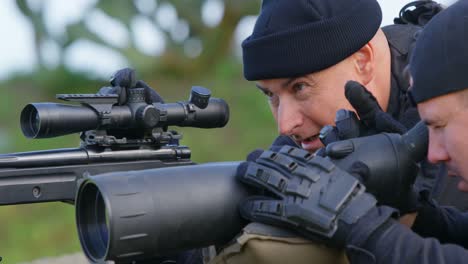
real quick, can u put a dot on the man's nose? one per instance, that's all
(289, 118)
(436, 152)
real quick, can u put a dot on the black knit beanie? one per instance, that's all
(439, 63)
(297, 37)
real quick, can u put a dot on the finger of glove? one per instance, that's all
(362, 101)
(386, 123)
(282, 140)
(329, 134)
(361, 171)
(124, 78)
(254, 155)
(261, 209)
(339, 149)
(281, 213)
(347, 124)
(261, 177)
(306, 159)
(282, 174)
(298, 166)
(151, 95)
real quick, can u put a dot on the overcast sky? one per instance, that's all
(16, 47)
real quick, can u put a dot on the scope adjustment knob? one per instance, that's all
(147, 116)
(200, 96)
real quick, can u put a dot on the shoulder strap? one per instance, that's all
(401, 37)
(401, 40)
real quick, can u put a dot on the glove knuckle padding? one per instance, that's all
(265, 177)
(312, 194)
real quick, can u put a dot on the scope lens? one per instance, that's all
(35, 122)
(92, 222)
(30, 121)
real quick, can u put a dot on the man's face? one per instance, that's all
(302, 106)
(447, 119)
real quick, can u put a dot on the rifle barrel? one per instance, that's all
(75, 156)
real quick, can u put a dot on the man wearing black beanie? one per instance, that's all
(302, 53)
(370, 233)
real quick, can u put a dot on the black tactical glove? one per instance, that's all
(402, 197)
(124, 79)
(372, 119)
(305, 193)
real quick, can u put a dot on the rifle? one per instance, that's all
(122, 131)
(135, 198)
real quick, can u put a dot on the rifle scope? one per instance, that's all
(125, 216)
(102, 111)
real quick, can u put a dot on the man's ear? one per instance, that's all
(364, 63)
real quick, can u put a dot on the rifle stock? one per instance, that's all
(48, 176)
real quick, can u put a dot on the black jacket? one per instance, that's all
(442, 239)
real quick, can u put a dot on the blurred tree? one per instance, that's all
(216, 41)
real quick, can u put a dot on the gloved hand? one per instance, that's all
(403, 197)
(124, 79)
(387, 171)
(305, 193)
(372, 119)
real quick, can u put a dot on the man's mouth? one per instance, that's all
(311, 143)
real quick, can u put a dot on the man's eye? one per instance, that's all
(436, 126)
(298, 87)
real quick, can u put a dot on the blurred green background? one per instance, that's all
(206, 55)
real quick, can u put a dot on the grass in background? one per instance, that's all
(37, 230)
(32, 231)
